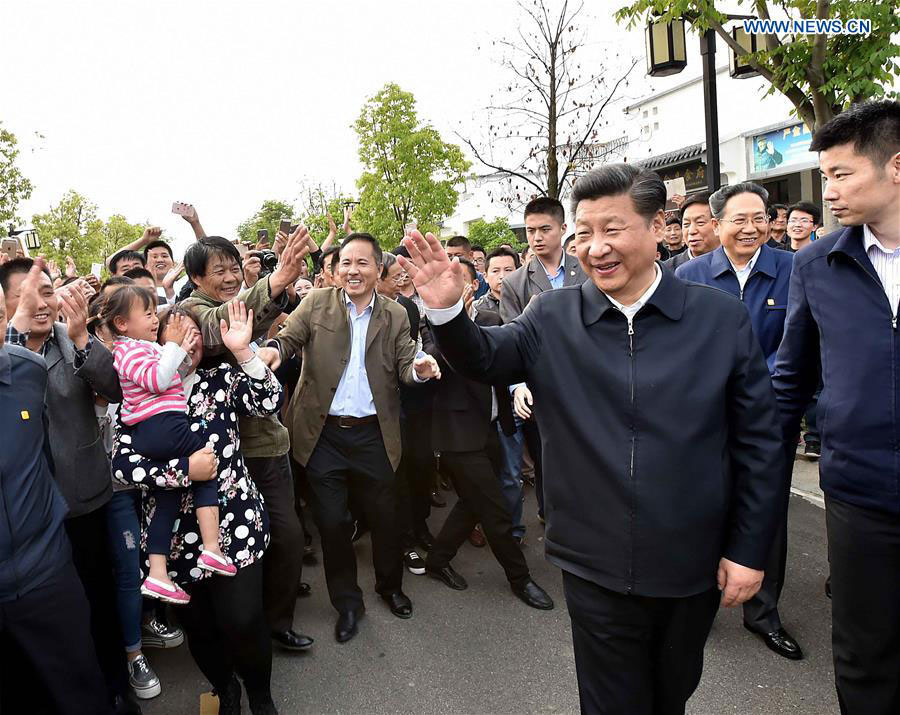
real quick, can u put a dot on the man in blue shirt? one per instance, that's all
(44, 615)
(759, 275)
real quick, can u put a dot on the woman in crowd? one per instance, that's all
(224, 622)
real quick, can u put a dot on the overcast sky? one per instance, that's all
(225, 104)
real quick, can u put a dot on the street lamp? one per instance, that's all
(664, 43)
(738, 67)
(32, 240)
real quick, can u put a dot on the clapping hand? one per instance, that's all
(178, 328)
(74, 306)
(237, 331)
(295, 252)
(438, 281)
(29, 297)
(71, 268)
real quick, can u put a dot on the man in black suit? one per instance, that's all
(661, 489)
(467, 418)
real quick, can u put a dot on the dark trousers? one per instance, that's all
(89, 536)
(227, 632)
(415, 477)
(354, 460)
(474, 476)
(761, 611)
(50, 627)
(301, 495)
(283, 562)
(864, 551)
(533, 442)
(636, 654)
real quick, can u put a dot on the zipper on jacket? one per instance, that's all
(629, 585)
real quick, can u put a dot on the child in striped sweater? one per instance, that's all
(154, 405)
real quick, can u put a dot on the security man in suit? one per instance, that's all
(344, 419)
(549, 269)
(661, 489)
(467, 417)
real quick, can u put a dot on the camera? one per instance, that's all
(268, 260)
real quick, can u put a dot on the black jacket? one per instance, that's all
(461, 419)
(661, 451)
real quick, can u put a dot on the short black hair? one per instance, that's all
(701, 198)
(476, 247)
(872, 127)
(368, 238)
(328, 258)
(15, 267)
(199, 254)
(646, 189)
(546, 205)
(401, 251)
(807, 207)
(158, 244)
(568, 240)
(116, 281)
(718, 200)
(673, 221)
(497, 252)
(136, 273)
(663, 249)
(459, 242)
(473, 271)
(125, 255)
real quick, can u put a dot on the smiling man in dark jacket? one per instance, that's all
(842, 310)
(659, 486)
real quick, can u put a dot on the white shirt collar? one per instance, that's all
(870, 239)
(349, 302)
(631, 310)
(750, 263)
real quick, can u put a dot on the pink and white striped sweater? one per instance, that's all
(149, 377)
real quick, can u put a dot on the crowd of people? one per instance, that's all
(168, 445)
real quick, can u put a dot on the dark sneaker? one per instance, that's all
(414, 563)
(156, 634)
(142, 678)
(812, 450)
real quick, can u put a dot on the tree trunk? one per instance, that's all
(552, 162)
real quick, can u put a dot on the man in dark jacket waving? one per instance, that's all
(659, 486)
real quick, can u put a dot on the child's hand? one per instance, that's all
(237, 332)
(178, 328)
(191, 340)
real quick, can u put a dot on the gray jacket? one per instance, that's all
(675, 261)
(82, 466)
(523, 284)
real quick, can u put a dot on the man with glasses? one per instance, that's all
(759, 276)
(696, 223)
(804, 218)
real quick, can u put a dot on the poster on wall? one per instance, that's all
(782, 148)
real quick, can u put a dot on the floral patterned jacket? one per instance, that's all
(216, 397)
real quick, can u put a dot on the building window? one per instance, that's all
(646, 114)
(655, 110)
(656, 125)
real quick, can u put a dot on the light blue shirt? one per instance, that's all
(557, 279)
(353, 397)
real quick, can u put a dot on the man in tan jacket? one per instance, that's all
(344, 419)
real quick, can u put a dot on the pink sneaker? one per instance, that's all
(209, 561)
(155, 588)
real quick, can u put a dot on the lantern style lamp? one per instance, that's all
(32, 240)
(665, 47)
(739, 67)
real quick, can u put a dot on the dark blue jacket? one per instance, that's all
(765, 292)
(33, 542)
(838, 312)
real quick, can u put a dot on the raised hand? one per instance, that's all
(29, 296)
(53, 267)
(168, 281)
(252, 267)
(295, 252)
(438, 281)
(191, 340)
(237, 331)
(332, 232)
(177, 328)
(348, 214)
(280, 242)
(74, 307)
(71, 268)
(151, 233)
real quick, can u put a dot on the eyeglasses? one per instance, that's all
(800, 221)
(741, 221)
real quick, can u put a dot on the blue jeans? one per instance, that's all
(511, 476)
(124, 528)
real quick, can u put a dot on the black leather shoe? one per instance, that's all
(424, 539)
(448, 576)
(290, 640)
(533, 595)
(780, 642)
(347, 624)
(399, 604)
(304, 590)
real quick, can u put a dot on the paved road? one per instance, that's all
(482, 651)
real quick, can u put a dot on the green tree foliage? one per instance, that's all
(317, 203)
(268, 217)
(491, 234)
(72, 228)
(410, 173)
(14, 186)
(820, 74)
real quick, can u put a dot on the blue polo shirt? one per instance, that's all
(765, 294)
